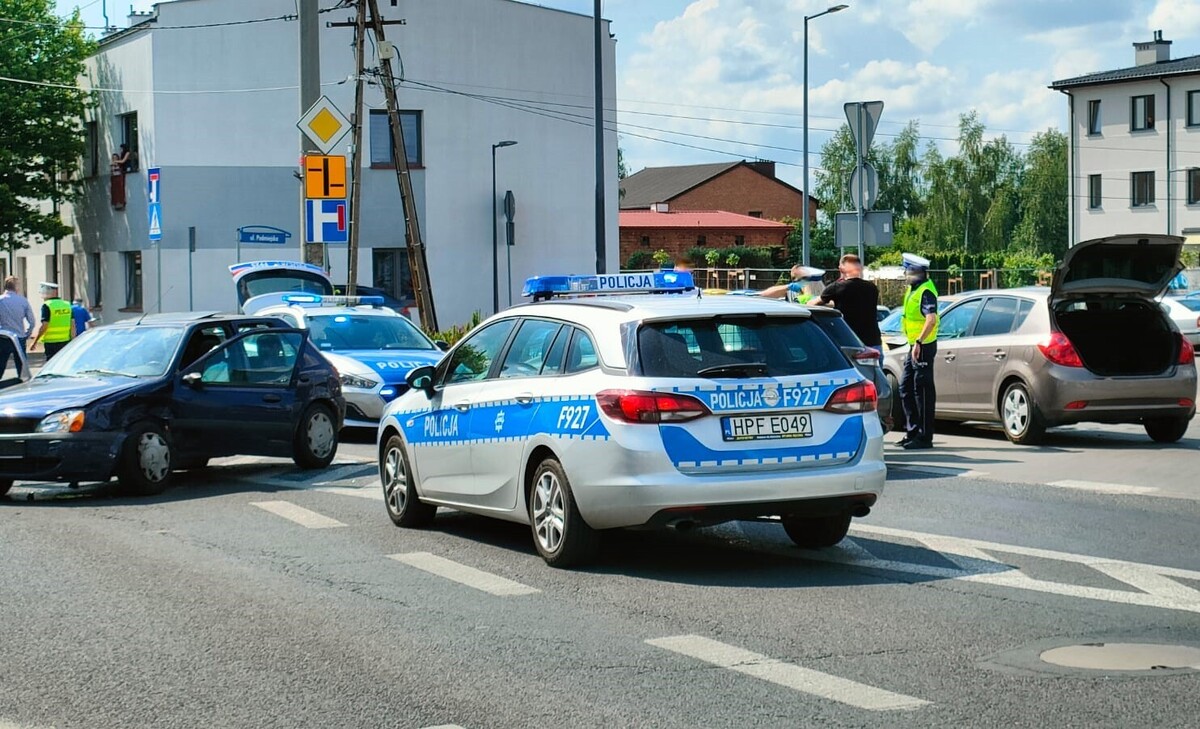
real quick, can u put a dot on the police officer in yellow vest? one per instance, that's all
(920, 323)
(58, 326)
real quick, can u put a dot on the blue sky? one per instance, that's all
(729, 72)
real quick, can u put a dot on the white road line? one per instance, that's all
(439, 726)
(1104, 488)
(1156, 589)
(788, 675)
(298, 514)
(373, 493)
(462, 574)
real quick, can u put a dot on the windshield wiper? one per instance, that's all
(104, 373)
(740, 369)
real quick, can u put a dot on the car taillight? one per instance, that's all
(636, 406)
(1059, 350)
(860, 397)
(867, 355)
(1187, 355)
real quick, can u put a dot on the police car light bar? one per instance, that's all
(318, 300)
(658, 282)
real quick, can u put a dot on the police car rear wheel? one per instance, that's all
(399, 491)
(560, 534)
(146, 460)
(816, 532)
(316, 439)
(5, 486)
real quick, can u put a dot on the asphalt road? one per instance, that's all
(254, 595)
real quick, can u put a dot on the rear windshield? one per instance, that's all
(785, 345)
(1193, 304)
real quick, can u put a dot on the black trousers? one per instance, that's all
(917, 393)
(52, 348)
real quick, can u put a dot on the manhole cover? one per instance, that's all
(1124, 656)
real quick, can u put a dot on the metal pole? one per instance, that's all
(804, 250)
(360, 31)
(310, 92)
(495, 243)
(191, 250)
(860, 113)
(508, 244)
(158, 264)
(601, 242)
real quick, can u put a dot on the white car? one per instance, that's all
(663, 409)
(1185, 312)
(373, 347)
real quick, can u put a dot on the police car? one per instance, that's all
(372, 347)
(587, 411)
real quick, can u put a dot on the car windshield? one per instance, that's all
(117, 351)
(737, 346)
(350, 331)
(1192, 304)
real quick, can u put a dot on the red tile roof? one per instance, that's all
(695, 219)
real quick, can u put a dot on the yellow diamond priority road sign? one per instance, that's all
(324, 124)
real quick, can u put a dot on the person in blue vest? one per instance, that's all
(920, 325)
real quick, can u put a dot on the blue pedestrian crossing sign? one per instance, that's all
(325, 221)
(154, 212)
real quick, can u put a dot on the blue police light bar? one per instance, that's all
(318, 300)
(658, 282)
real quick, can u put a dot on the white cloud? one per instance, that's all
(926, 23)
(1179, 18)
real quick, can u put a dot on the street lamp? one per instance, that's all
(495, 233)
(804, 213)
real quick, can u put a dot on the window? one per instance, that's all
(645, 240)
(701, 240)
(1193, 186)
(1095, 192)
(97, 276)
(786, 345)
(68, 277)
(1022, 313)
(472, 360)
(1142, 184)
(413, 126)
(133, 279)
(129, 137)
(1094, 116)
(581, 355)
(558, 350)
(755, 213)
(52, 270)
(739, 240)
(23, 272)
(203, 341)
(392, 274)
(90, 166)
(529, 348)
(1193, 109)
(957, 321)
(1142, 113)
(264, 358)
(997, 316)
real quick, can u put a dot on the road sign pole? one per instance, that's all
(862, 174)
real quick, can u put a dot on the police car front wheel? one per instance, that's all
(816, 532)
(560, 534)
(399, 491)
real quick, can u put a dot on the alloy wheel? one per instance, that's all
(1016, 411)
(395, 480)
(549, 517)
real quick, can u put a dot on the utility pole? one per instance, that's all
(601, 242)
(360, 31)
(417, 261)
(310, 93)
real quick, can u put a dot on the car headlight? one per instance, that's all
(358, 381)
(67, 421)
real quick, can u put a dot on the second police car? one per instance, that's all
(373, 347)
(575, 415)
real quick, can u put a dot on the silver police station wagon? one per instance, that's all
(630, 401)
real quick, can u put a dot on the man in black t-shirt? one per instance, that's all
(857, 299)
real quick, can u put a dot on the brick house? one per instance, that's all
(745, 188)
(677, 231)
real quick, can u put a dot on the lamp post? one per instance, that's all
(805, 250)
(495, 233)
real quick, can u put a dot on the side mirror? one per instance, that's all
(444, 346)
(421, 378)
(193, 380)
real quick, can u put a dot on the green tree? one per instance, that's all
(622, 168)
(40, 116)
(1044, 189)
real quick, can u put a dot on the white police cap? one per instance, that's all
(48, 285)
(912, 260)
(811, 274)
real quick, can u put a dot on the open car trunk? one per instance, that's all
(1117, 336)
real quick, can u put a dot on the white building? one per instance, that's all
(1135, 146)
(215, 107)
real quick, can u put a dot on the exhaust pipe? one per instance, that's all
(860, 510)
(682, 525)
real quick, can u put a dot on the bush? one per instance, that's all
(458, 331)
(640, 260)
